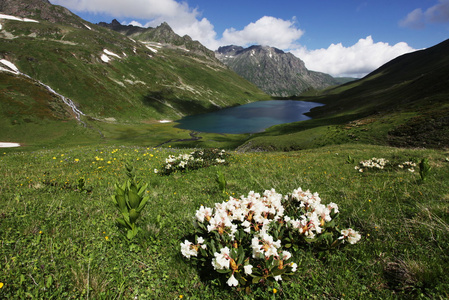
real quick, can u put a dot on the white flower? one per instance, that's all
(222, 259)
(286, 255)
(334, 206)
(156, 171)
(411, 170)
(200, 240)
(203, 213)
(294, 266)
(232, 281)
(350, 234)
(277, 278)
(188, 249)
(268, 248)
(248, 269)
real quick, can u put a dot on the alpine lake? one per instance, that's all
(249, 118)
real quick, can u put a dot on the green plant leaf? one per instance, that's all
(133, 199)
(142, 204)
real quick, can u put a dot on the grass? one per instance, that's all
(60, 241)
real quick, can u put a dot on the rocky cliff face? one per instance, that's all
(272, 70)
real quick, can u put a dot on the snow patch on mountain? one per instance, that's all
(152, 49)
(11, 67)
(8, 17)
(111, 53)
(106, 56)
(9, 145)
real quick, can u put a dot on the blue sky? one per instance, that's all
(342, 38)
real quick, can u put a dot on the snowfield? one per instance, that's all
(8, 17)
(9, 145)
(106, 55)
(12, 67)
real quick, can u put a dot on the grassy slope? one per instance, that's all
(140, 86)
(403, 103)
(54, 241)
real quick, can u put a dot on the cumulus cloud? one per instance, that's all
(354, 61)
(418, 18)
(182, 18)
(265, 31)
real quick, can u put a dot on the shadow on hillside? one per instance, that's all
(165, 101)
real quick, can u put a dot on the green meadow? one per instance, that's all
(59, 239)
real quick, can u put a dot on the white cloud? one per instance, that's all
(265, 31)
(140, 9)
(355, 61)
(414, 19)
(439, 13)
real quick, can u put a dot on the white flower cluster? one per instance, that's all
(189, 249)
(184, 161)
(180, 161)
(351, 235)
(255, 215)
(409, 165)
(316, 216)
(373, 163)
(254, 212)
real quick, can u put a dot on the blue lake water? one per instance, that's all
(249, 118)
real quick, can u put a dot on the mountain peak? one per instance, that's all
(272, 70)
(115, 23)
(40, 9)
(164, 25)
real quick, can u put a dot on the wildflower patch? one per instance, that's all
(253, 240)
(193, 161)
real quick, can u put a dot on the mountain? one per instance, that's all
(272, 70)
(42, 10)
(162, 34)
(403, 103)
(106, 75)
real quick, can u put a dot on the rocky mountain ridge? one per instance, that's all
(274, 71)
(162, 34)
(42, 10)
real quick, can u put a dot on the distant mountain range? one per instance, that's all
(274, 71)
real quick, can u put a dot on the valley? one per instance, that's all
(90, 118)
